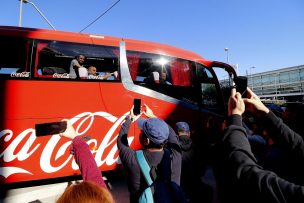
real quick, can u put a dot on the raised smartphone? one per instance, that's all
(136, 106)
(43, 129)
(241, 85)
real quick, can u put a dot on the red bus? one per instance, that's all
(35, 87)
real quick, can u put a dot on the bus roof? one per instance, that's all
(135, 45)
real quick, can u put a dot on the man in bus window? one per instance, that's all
(93, 74)
(92, 71)
(75, 65)
(163, 78)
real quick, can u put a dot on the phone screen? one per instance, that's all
(136, 104)
(43, 129)
(241, 85)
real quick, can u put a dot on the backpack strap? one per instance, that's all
(165, 165)
(144, 166)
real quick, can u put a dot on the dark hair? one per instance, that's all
(81, 55)
(152, 144)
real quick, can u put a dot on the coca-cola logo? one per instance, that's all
(21, 75)
(22, 147)
(64, 75)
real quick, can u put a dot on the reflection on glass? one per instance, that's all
(209, 95)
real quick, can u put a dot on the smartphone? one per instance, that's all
(136, 108)
(241, 83)
(43, 129)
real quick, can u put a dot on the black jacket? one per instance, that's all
(241, 179)
(136, 181)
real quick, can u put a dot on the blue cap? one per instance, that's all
(182, 127)
(155, 129)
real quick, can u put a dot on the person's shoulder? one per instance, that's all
(74, 61)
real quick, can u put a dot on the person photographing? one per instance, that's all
(240, 178)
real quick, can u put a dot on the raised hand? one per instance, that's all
(235, 103)
(148, 112)
(254, 103)
(70, 131)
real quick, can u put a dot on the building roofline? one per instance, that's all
(279, 70)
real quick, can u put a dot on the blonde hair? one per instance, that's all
(87, 192)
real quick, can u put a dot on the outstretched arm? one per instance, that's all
(240, 167)
(83, 157)
(281, 132)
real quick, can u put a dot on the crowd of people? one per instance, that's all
(257, 159)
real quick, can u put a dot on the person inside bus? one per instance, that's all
(93, 74)
(155, 133)
(241, 179)
(93, 188)
(92, 71)
(75, 65)
(153, 78)
(164, 78)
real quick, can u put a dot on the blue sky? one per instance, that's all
(266, 34)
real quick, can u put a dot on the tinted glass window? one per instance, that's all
(209, 93)
(266, 79)
(13, 58)
(55, 59)
(294, 75)
(168, 75)
(284, 77)
(302, 74)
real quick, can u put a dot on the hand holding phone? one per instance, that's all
(148, 112)
(136, 106)
(43, 129)
(241, 85)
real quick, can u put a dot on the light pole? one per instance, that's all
(20, 14)
(37, 9)
(227, 54)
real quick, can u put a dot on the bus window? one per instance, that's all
(13, 58)
(225, 81)
(208, 88)
(53, 60)
(168, 75)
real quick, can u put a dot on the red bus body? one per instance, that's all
(96, 108)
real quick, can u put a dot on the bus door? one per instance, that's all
(215, 84)
(226, 76)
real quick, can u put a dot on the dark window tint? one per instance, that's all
(13, 58)
(208, 84)
(54, 58)
(167, 75)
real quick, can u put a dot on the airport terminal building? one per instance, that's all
(279, 86)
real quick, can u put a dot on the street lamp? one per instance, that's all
(227, 54)
(20, 14)
(37, 9)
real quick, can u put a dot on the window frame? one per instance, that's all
(65, 76)
(25, 59)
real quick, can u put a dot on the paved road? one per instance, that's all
(49, 193)
(120, 192)
(119, 189)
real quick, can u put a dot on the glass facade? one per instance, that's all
(280, 85)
